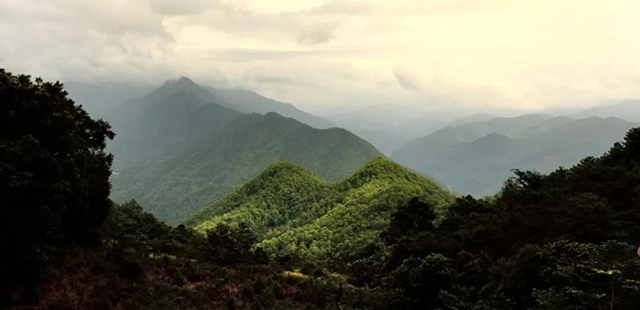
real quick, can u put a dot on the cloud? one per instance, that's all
(183, 7)
(316, 53)
(272, 79)
(405, 81)
(316, 34)
(343, 8)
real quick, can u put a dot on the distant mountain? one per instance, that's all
(250, 102)
(542, 127)
(507, 126)
(204, 170)
(158, 124)
(439, 140)
(384, 141)
(477, 157)
(181, 111)
(101, 97)
(240, 100)
(387, 127)
(302, 216)
(628, 110)
(473, 118)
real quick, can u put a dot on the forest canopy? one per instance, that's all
(54, 176)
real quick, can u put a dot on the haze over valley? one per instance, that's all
(238, 133)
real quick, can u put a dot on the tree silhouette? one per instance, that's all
(54, 177)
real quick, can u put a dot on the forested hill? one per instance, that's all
(201, 173)
(302, 217)
(566, 240)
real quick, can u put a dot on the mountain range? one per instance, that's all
(626, 109)
(175, 152)
(477, 157)
(183, 146)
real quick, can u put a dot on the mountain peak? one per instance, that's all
(284, 167)
(182, 81)
(186, 80)
(171, 87)
(379, 167)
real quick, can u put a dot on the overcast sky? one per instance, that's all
(319, 54)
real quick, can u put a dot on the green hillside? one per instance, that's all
(303, 217)
(282, 194)
(207, 169)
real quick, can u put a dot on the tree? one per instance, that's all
(54, 177)
(227, 245)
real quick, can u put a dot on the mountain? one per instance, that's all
(189, 178)
(627, 110)
(250, 102)
(541, 127)
(507, 126)
(99, 98)
(147, 129)
(441, 139)
(476, 158)
(384, 137)
(304, 217)
(185, 101)
(385, 141)
(182, 124)
(240, 100)
(387, 127)
(473, 118)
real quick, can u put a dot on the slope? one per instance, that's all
(185, 181)
(181, 111)
(246, 101)
(302, 217)
(148, 129)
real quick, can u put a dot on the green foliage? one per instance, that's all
(566, 240)
(228, 245)
(54, 178)
(303, 218)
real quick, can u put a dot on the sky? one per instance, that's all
(320, 55)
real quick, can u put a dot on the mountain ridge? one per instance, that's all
(176, 185)
(358, 206)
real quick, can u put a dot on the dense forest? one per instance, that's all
(383, 238)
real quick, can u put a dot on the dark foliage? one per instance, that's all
(145, 264)
(54, 179)
(566, 240)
